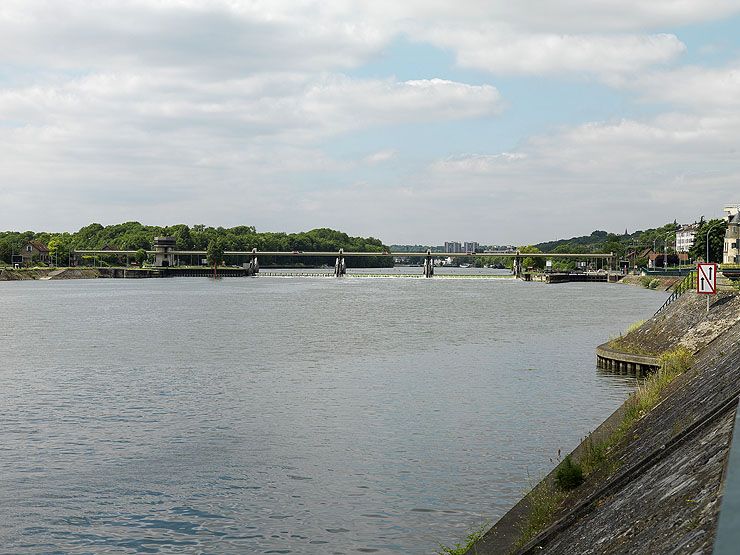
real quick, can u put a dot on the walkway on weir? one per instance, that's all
(166, 256)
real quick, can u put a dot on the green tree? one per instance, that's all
(181, 233)
(215, 254)
(530, 261)
(56, 250)
(141, 256)
(716, 229)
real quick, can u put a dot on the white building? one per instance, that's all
(470, 246)
(453, 246)
(731, 252)
(685, 237)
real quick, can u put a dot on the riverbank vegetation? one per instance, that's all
(462, 548)
(135, 236)
(599, 456)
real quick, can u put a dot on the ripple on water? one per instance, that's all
(289, 416)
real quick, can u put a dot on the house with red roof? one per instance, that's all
(35, 251)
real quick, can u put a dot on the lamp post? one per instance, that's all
(665, 251)
(707, 259)
(707, 239)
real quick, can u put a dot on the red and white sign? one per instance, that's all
(706, 279)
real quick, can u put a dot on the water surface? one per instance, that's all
(275, 415)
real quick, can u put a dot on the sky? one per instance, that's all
(414, 121)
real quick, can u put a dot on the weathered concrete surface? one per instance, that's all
(48, 274)
(14, 275)
(665, 282)
(606, 356)
(671, 507)
(684, 489)
(75, 273)
(667, 469)
(685, 322)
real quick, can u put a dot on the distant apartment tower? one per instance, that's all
(453, 246)
(471, 246)
(731, 252)
(685, 237)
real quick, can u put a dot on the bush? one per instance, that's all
(654, 284)
(645, 281)
(569, 475)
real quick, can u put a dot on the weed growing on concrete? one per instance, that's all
(569, 474)
(634, 326)
(597, 455)
(463, 547)
(544, 500)
(621, 344)
(672, 364)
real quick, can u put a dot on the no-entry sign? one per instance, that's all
(706, 279)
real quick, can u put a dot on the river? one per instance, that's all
(302, 415)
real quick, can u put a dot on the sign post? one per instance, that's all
(706, 280)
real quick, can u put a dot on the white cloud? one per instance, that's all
(294, 107)
(697, 88)
(231, 37)
(477, 163)
(380, 156)
(601, 175)
(132, 140)
(498, 49)
(145, 108)
(219, 37)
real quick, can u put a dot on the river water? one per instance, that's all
(304, 415)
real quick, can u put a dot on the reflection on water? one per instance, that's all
(290, 415)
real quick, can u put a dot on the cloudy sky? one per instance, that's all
(412, 121)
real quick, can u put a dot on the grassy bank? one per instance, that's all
(598, 458)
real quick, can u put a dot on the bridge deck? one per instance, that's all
(351, 254)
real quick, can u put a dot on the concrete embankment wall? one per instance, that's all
(49, 274)
(661, 491)
(685, 322)
(665, 282)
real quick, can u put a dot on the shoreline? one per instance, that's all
(686, 412)
(44, 274)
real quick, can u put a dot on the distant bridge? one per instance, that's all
(166, 255)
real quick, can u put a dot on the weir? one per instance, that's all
(166, 256)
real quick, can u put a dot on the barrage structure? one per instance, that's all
(167, 255)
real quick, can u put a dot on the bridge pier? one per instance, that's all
(429, 265)
(340, 267)
(517, 265)
(254, 265)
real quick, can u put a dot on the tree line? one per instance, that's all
(134, 236)
(659, 239)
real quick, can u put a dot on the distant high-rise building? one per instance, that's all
(453, 246)
(471, 246)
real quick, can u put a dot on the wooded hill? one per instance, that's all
(134, 236)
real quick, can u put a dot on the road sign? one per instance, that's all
(706, 279)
